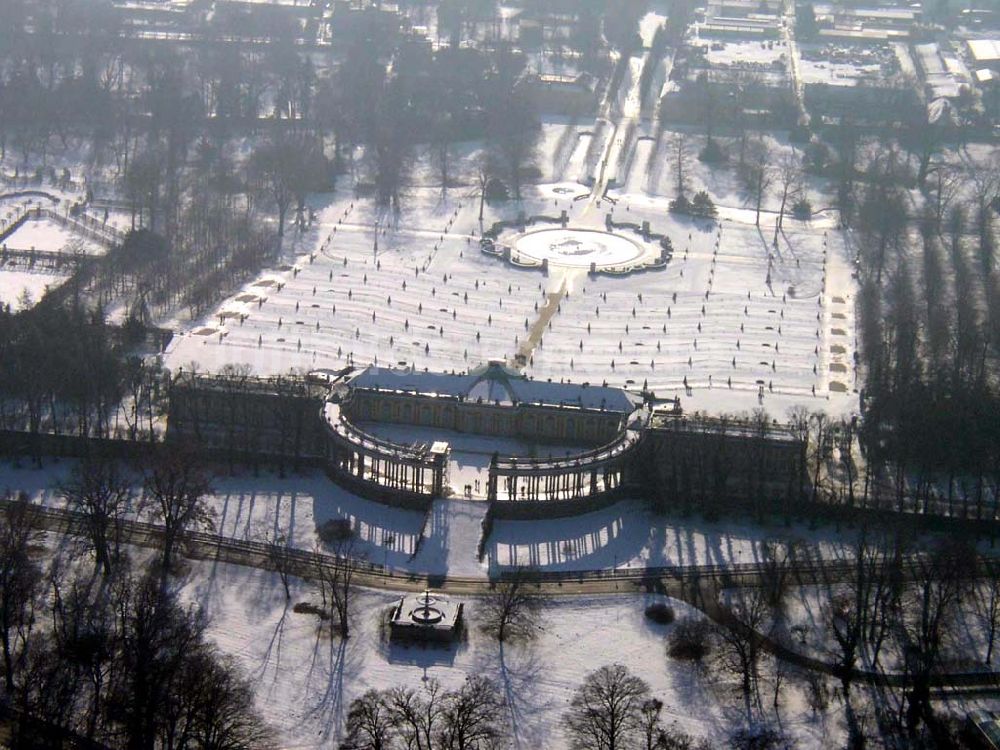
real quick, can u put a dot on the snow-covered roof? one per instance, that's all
(984, 50)
(496, 383)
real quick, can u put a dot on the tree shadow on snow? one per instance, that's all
(273, 650)
(518, 672)
(331, 662)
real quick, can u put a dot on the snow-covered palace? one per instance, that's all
(528, 447)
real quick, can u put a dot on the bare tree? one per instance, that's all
(606, 711)
(20, 584)
(52, 687)
(846, 432)
(389, 145)
(143, 184)
(740, 641)
(218, 704)
(514, 134)
(371, 723)
(418, 716)
(442, 136)
(789, 177)
(175, 485)
(987, 603)
(281, 558)
(928, 608)
(335, 572)
(513, 607)
(653, 736)
(758, 175)
(285, 170)
(818, 447)
(482, 183)
(470, 718)
(101, 492)
(947, 186)
(473, 716)
(778, 558)
(846, 620)
(681, 158)
(153, 636)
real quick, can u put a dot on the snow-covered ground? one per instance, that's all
(624, 535)
(22, 282)
(305, 681)
(21, 287)
(49, 236)
(731, 313)
(628, 535)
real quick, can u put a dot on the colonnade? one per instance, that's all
(585, 476)
(362, 458)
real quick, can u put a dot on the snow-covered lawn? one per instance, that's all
(16, 280)
(628, 535)
(48, 235)
(428, 298)
(305, 681)
(624, 535)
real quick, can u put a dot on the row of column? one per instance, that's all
(387, 472)
(568, 485)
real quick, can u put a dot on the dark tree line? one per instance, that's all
(65, 370)
(144, 108)
(115, 659)
(929, 330)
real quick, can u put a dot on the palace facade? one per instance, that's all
(609, 440)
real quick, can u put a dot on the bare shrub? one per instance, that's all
(690, 640)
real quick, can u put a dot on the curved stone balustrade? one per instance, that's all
(627, 440)
(360, 457)
(373, 463)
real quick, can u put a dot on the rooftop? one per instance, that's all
(985, 50)
(497, 383)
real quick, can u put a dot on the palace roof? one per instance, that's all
(496, 383)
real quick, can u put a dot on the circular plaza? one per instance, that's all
(577, 248)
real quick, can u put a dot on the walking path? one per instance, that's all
(537, 330)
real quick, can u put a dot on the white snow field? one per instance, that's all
(734, 322)
(18, 280)
(48, 235)
(305, 681)
(444, 542)
(20, 276)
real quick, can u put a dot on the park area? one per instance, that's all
(736, 319)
